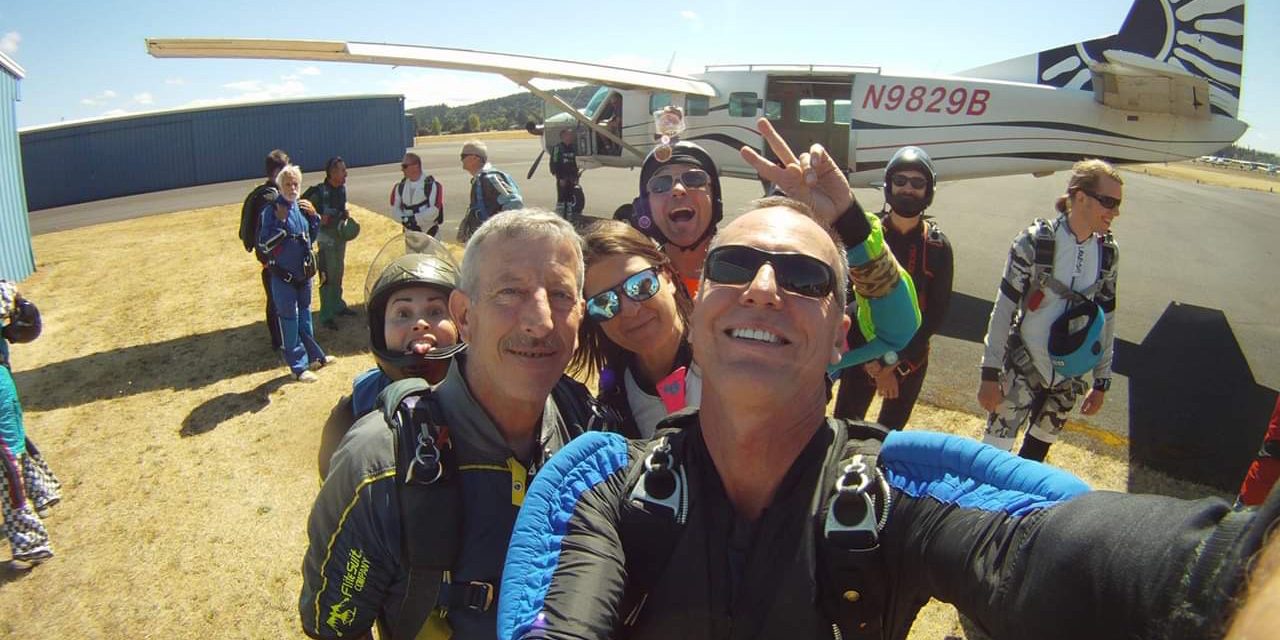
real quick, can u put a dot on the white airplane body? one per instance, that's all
(1165, 88)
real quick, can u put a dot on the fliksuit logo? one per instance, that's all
(339, 615)
(353, 579)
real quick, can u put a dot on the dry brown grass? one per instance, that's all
(515, 134)
(189, 458)
(1201, 173)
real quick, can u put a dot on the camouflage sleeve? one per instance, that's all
(1013, 285)
(351, 571)
(1106, 298)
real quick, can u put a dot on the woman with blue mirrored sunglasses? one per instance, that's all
(634, 336)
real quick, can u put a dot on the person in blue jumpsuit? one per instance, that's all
(285, 236)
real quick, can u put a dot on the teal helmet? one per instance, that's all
(1075, 339)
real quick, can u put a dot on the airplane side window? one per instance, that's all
(659, 101)
(773, 109)
(697, 105)
(742, 104)
(812, 110)
(843, 112)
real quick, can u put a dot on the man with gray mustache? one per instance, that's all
(420, 554)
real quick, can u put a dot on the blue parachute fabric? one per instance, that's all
(552, 498)
(966, 473)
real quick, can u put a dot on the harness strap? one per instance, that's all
(428, 497)
(852, 502)
(474, 595)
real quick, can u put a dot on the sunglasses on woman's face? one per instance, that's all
(795, 272)
(691, 179)
(639, 286)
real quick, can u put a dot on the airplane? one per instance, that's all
(1166, 87)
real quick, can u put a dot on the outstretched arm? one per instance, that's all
(565, 572)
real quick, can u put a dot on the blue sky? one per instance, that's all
(87, 59)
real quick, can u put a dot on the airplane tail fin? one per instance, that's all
(1204, 39)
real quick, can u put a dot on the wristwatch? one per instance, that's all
(1102, 384)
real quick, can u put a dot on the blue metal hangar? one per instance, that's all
(17, 260)
(73, 162)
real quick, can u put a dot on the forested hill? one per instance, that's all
(508, 112)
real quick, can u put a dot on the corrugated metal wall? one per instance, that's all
(108, 158)
(17, 260)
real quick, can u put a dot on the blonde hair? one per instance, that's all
(1085, 176)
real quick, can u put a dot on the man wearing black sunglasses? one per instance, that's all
(759, 517)
(1035, 357)
(417, 201)
(924, 251)
(679, 206)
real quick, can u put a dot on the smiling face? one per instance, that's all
(757, 339)
(682, 214)
(653, 324)
(417, 320)
(1093, 216)
(521, 318)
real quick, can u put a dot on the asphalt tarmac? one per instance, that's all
(1197, 336)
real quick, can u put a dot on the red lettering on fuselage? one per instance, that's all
(916, 98)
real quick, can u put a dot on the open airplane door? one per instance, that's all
(812, 108)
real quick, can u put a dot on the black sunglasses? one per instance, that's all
(639, 286)
(900, 180)
(796, 272)
(463, 156)
(406, 166)
(691, 179)
(1105, 201)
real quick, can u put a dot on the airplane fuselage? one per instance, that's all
(971, 127)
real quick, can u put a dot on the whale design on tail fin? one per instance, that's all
(1200, 38)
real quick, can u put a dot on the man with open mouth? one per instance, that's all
(679, 206)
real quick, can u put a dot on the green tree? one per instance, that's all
(436, 128)
(473, 123)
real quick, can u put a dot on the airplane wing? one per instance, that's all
(519, 69)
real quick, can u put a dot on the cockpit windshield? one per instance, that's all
(593, 105)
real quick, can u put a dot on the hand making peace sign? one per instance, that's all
(812, 178)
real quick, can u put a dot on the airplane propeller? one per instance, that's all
(534, 129)
(534, 167)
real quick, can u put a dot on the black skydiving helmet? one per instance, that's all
(413, 258)
(910, 158)
(681, 153)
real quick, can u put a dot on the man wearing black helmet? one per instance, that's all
(410, 331)
(1054, 316)
(924, 251)
(679, 206)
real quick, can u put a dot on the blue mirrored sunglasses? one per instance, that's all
(639, 286)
